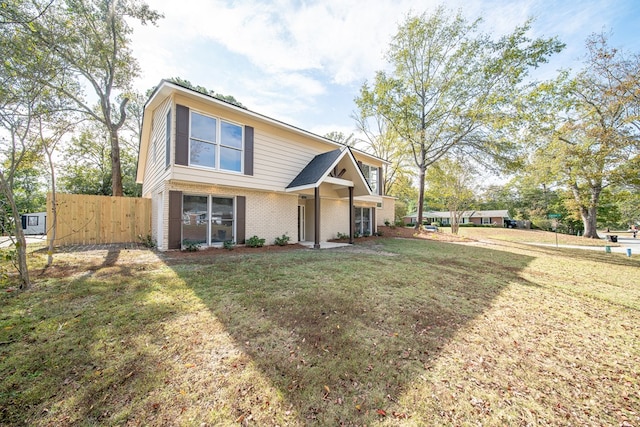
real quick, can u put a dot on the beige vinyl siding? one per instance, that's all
(279, 154)
(156, 171)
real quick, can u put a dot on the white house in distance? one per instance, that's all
(216, 172)
(490, 217)
(34, 223)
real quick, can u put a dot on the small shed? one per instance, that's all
(34, 223)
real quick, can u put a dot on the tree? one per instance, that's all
(589, 138)
(450, 86)
(86, 166)
(186, 83)
(381, 141)
(89, 40)
(340, 137)
(452, 181)
(22, 95)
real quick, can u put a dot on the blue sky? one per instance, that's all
(303, 61)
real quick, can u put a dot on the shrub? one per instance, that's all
(386, 222)
(147, 241)
(228, 245)
(190, 245)
(341, 236)
(283, 240)
(254, 242)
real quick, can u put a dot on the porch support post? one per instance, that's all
(352, 216)
(316, 240)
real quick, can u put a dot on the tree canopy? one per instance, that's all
(451, 86)
(585, 130)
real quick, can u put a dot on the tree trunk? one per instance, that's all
(589, 220)
(454, 225)
(51, 233)
(21, 244)
(421, 176)
(116, 170)
(588, 213)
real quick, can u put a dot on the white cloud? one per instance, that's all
(285, 57)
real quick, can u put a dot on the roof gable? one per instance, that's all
(320, 168)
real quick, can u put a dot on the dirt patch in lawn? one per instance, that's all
(412, 233)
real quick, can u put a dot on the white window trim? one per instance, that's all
(217, 144)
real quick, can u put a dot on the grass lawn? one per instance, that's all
(388, 332)
(529, 236)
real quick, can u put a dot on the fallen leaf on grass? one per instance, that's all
(381, 412)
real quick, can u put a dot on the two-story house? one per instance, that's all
(217, 172)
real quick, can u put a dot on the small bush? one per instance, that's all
(255, 242)
(190, 245)
(283, 240)
(386, 222)
(228, 245)
(341, 236)
(147, 241)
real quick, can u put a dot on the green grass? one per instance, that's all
(389, 332)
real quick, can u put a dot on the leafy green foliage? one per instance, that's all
(282, 240)
(586, 129)
(190, 245)
(186, 83)
(148, 241)
(255, 242)
(228, 245)
(451, 87)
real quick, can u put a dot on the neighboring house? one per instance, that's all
(496, 217)
(217, 172)
(34, 223)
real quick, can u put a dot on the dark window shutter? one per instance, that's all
(168, 139)
(182, 135)
(374, 226)
(23, 218)
(241, 215)
(380, 182)
(175, 220)
(248, 150)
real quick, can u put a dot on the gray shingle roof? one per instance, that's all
(316, 169)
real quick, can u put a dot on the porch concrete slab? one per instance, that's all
(325, 245)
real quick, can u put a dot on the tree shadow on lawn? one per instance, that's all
(343, 334)
(84, 351)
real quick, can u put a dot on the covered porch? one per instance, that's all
(323, 186)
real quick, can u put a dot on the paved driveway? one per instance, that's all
(624, 242)
(6, 241)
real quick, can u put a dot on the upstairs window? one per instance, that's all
(371, 175)
(215, 143)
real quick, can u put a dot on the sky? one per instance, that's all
(303, 61)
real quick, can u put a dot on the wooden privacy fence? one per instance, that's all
(88, 220)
